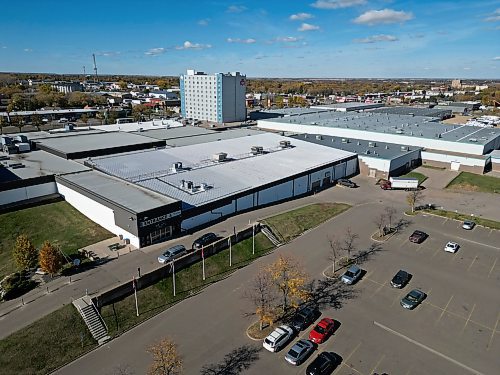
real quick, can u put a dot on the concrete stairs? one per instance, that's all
(92, 319)
(270, 235)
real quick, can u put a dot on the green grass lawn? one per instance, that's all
(46, 344)
(475, 182)
(419, 176)
(461, 217)
(121, 316)
(57, 222)
(291, 224)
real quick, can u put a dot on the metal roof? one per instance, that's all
(121, 192)
(212, 137)
(173, 133)
(379, 150)
(242, 171)
(353, 106)
(292, 111)
(68, 111)
(418, 126)
(417, 111)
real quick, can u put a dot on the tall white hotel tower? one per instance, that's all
(218, 97)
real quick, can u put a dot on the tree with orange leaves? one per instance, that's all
(50, 258)
(166, 359)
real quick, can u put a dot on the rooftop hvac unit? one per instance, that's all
(203, 186)
(372, 144)
(367, 152)
(358, 143)
(405, 148)
(285, 144)
(220, 156)
(345, 140)
(256, 150)
(472, 139)
(386, 147)
(319, 137)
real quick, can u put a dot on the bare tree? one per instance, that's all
(414, 197)
(390, 212)
(166, 359)
(261, 294)
(335, 250)
(348, 243)
(380, 221)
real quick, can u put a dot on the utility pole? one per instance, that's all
(95, 68)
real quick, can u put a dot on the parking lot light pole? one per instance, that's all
(253, 239)
(203, 262)
(230, 253)
(173, 275)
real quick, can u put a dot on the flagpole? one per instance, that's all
(135, 295)
(173, 275)
(230, 254)
(253, 239)
(203, 262)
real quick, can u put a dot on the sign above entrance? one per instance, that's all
(157, 219)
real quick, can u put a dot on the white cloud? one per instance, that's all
(27, 50)
(238, 40)
(495, 17)
(236, 8)
(467, 68)
(155, 51)
(336, 4)
(300, 16)
(495, 58)
(204, 22)
(377, 38)
(373, 17)
(287, 39)
(188, 45)
(108, 53)
(307, 27)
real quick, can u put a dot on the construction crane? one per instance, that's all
(95, 68)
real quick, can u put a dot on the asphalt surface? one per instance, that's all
(454, 331)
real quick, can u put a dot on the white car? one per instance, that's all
(278, 338)
(451, 247)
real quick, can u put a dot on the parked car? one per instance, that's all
(278, 338)
(304, 317)
(204, 240)
(172, 253)
(400, 279)
(351, 275)
(299, 352)
(413, 299)
(418, 236)
(468, 225)
(451, 247)
(346, 182)
(62, 120)
(323, 364)
(322, 331)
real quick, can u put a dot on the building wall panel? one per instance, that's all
(244, 203)
(27, 192)
(300, 185)
(351, 167)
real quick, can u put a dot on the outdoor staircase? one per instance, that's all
(270, 235)
(92, 319)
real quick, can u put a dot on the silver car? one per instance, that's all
(299, 352)
(172, 253)
(351, 275)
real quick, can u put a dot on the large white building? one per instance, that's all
(218, 97)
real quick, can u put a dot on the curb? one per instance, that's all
(248, 335)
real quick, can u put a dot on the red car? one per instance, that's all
(322, 330)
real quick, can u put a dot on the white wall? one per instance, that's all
(100, 214)
(437, 144)
(29, 192)
(382, 165)
(473, 162)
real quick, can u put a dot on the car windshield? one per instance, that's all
(413, 296)
(293, 353)
(349, 274)
(269, 342)
(319, 329)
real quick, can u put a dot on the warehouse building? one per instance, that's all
(440, 113)
(348, 107)
(376, 159)
(148, 196)
(452, 146)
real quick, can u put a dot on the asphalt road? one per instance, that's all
(454, 331)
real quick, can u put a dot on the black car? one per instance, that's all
(418, 236)
(323, 364)
(400, 279)
(304, 317)
(345, 182)
(204, 240)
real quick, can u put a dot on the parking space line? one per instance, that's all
(387, 329)
(437, 251)
(479, 243)
(493, 333)
(398, 298)
(352, 368)
(442, 313)
(378, 363)
(349, 357)
(473, 260)
(467, 321)
(445, 221)
(492, 267)
(458, 316)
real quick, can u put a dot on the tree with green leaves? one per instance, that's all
(50, 258)
(24, 253)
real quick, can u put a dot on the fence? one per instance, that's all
(126, 289)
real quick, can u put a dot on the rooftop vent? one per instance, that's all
(372, 144)
(386, 147)
(472, 139)
(285, 144)
(367, 152)
(399, 131)
(319, 137)
(257, 150)
(405, 148)
(345, 140)
(176, 167)
(219, 157)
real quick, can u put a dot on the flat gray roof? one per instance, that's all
(131, 196)
(418, 126)
(380, 150)
(212, 137)
(417, 111)
(353, 106)
(89, 142)
(173, 133)
(292, 111)
(40, 163)
(243, 171)
(68, 111)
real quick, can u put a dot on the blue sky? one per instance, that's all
(272, 38)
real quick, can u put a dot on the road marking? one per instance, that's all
(445, 221)
(458, 315)
(349, 357)
(380, 287)
(442, 313)
(437, 251)
(492, 267)
(473, 260)
(493, 333)
(352, 368)
(467, 321)
(428, 348)
(398, 298)
(479, 243)
(378, 363)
